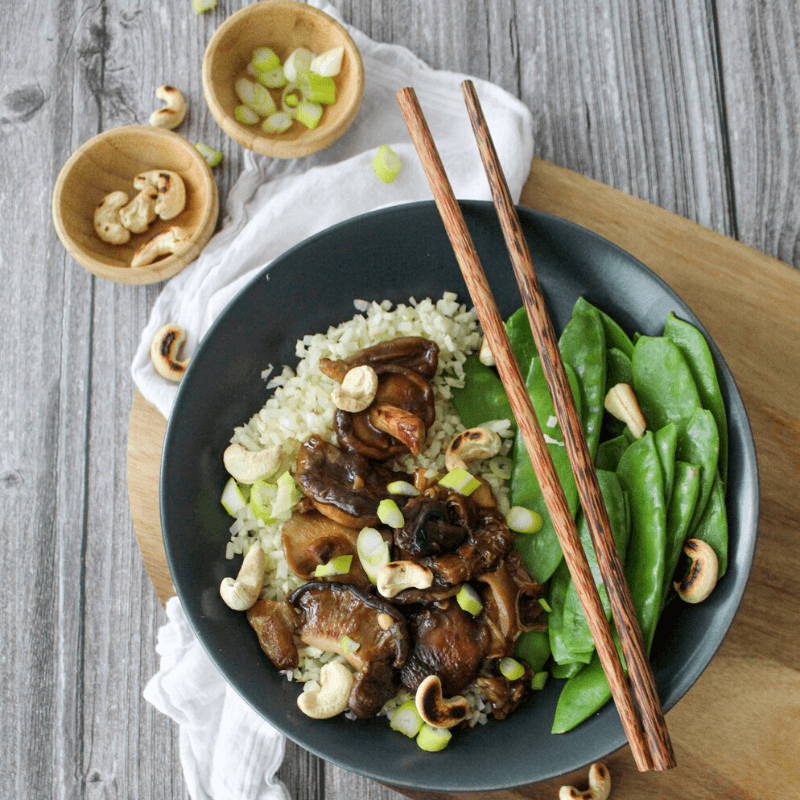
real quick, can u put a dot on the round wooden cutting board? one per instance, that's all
(736, 732)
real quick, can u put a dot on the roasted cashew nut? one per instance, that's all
(107, 222)
(470, 445)
(621, 403)
(485, 355)
(175, 110)
(357, 390)
(599, 785)
(170, 191)
(701, 578)
(166, 243)
(336, 683)
(396, 576)
(249, 466)
(164, 349)
(434, 709)
(242, 593)
(141, 211)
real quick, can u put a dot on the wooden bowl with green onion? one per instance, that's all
(283, 26)
(109, 163)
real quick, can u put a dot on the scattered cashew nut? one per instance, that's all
(434, 709)
(107, 222)
(471, 444)
(621, 403)
(485, 355)
(141, 211)
(336, 683)
(357, 390)
(170, 198)
(175, 110)
(166, 243)
(599, 785)
(396, 576)
(249, 466)
(164, 349)
(242, 593)
(701, 578)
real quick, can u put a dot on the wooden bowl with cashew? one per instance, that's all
(107, 175)
(283, 26)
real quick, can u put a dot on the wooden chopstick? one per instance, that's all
(511, 377)
(633, 647)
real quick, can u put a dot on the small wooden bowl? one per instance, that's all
(109, 162)
(283, 25)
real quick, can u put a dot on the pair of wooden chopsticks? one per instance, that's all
(645, 728)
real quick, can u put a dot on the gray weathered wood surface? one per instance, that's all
(693, 106)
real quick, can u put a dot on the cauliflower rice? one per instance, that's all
(301, 407)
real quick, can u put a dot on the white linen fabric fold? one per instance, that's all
(277, 203)
(227, 751)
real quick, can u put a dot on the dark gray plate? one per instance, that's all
(395, 254)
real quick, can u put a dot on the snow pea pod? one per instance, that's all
(576, 633)
(666, 442)
(610, 452)
(566, 671)
(663, 383)
(583, 347)
(615, 336)
(640, 474)
(533, 647)
(699, 445)
(713, 525)
(695, 350)
(482, 397)
(540, 551)
(559, 585)
(619, 368)
(520, 337)
(679, 515)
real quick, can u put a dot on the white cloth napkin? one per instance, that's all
(227, 751)
(275, 204)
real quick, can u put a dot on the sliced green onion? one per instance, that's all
(511, 668)
(545, 605)
(373, 552)
(338, 566)
(316, 88)
(287, 495)
(328, 63)
(265, 59)
(390, 514)
(386, 163)
(254, 72)
(212, 157)
(290, 99)
(255, 96)
(262, 500)
(297, 61)
(501, 467)
(433, 739)
(245, 115)
(233, 499)
(469, 600)
(349, 645)
(402, 487)
(309, 114)
(201, 6)
(461, 481)
(539, 680)
(278, 122)
(522, 520)
(406, 719)
(272, 78)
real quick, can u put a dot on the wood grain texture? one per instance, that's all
(691, 106)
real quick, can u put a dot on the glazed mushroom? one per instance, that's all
(343, 486)
(312, 539)
(275, 624)
(504, 695)
(414, 352)
(332, 614)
